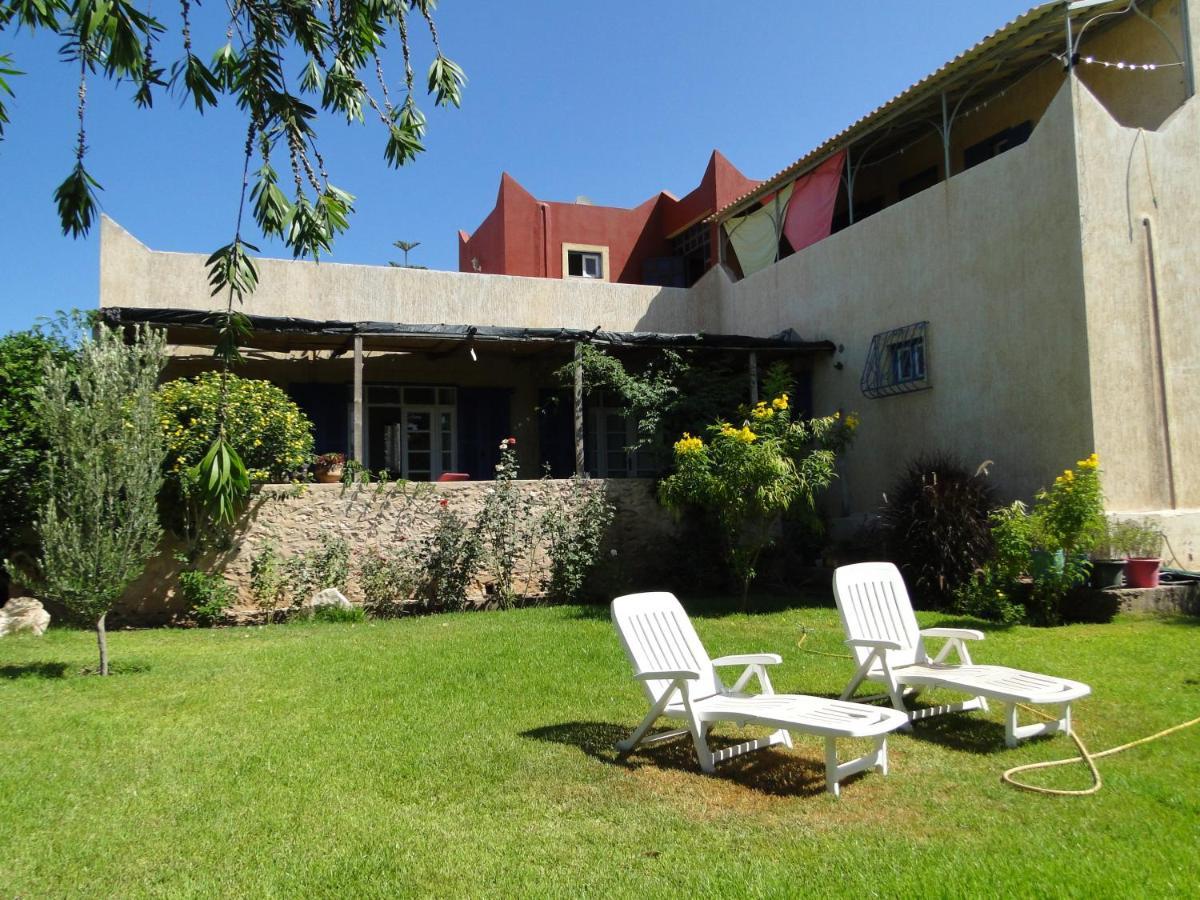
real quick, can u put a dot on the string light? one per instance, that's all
(1128, 66)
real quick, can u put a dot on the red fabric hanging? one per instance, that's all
(810, 213)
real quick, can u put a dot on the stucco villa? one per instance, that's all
(1000, 262)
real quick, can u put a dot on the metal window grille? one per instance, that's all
(897, 362)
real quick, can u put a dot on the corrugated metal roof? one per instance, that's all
(1027, 37)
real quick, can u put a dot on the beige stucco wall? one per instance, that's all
(1137, 195)
(992, 260)
(133, 275)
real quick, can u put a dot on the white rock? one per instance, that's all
(23, 614)
(328, 597)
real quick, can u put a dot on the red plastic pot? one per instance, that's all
(1141, 573)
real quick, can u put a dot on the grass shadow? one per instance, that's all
(984, 625)
(1179, 619)
(710, 606)
(961, 731)
(35, 670)
(774, 772)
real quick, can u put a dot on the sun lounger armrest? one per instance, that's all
(673, 675)
(749, 659)
(965, 634)
(874, 645)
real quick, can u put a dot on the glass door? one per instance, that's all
(418, 440)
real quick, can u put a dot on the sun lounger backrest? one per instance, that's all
(874, 605)
(658, 637)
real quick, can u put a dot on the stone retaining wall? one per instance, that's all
(294, 518)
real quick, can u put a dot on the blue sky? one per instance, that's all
(584, 97)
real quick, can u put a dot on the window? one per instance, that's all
(412, 430)
(897, 362)
(585, 261)
(609, 432)
(996, 144)
(908, 360)
(917, 183)
(584, 265)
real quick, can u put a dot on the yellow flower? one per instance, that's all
(762, 412)
(743, 434)
(688, 444)
(852, 421)
(1091, 462)
(780, 402)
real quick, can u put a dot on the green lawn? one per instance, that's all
(471, 754)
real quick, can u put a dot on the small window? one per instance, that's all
(897, 362)
(996, 144)
(908, 360)
(585, 264)
(917, 183)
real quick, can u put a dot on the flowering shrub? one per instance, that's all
(750, 475)
(268, 430)
(1071, 512)
(1048, 543)
(574, 524)
(507, 526)
(451, 555)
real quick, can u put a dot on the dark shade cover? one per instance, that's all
(203, 319)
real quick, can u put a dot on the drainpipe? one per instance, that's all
(1189, 76)
(545, 240)
(1159, 365)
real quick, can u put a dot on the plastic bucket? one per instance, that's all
(1141, 573)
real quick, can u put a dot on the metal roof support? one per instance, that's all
(945, 132)
(848, 178)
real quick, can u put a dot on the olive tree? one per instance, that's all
(103, 471)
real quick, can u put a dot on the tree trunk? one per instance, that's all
(102, 643)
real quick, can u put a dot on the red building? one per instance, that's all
(663, 241)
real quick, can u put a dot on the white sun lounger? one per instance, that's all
(882, 633)
(681, 682)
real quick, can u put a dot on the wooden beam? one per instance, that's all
(753, 377)
(359, 451)
(579, 465)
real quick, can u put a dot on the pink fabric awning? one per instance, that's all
(810, 212)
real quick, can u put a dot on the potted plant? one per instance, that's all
(1108, 565)
(1141, 544)
(327, 468)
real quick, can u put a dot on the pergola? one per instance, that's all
(285, 335)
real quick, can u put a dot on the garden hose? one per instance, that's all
(1085, 756)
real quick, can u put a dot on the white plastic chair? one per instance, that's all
(681, 682)
(883, 635)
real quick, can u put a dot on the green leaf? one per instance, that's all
(230, 268)
(446, 80)
(76, 199)
(199, 83)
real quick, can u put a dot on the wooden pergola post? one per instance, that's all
(357, 448)
(579, 464)
(753, 377)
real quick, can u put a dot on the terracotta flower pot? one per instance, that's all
(328, 474)
(1142, 572)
